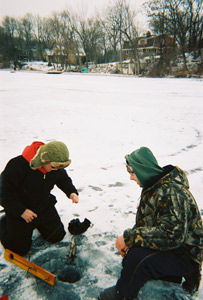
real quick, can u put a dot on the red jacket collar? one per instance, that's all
(30, 151)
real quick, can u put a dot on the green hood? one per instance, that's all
(145, 165)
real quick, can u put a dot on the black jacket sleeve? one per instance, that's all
(10, 180)
(65, 183)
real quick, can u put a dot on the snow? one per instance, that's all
(101, 119)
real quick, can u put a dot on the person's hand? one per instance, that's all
(74, 197)
(121, 246)
(28, 215)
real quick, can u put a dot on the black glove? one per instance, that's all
(76, 227)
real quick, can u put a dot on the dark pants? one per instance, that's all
(17, 235)
(141, 265)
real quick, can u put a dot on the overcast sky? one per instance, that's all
(18, 8)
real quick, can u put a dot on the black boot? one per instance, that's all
(2, 226)
(192, 280)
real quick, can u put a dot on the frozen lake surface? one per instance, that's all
(101, 118)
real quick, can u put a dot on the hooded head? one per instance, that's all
(54, 152)
(144, 165)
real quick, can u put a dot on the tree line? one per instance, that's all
(100, 38)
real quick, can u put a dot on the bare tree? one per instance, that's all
(67, 27)
(26, 31)
(157, 12)
(120, 25)
(61, 36)
(130, 32)
(53, 28)
(10, 26)
(110, 25)
(9, 43)
(91, 37)
(195, 17)
(40, 36)
(179, 21)
(182, 19)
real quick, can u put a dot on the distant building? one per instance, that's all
(65, 57)
(148, 45)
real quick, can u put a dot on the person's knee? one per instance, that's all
(12, 241)
(21, 248)
(108, 294)
(56, 239)
(56, 236)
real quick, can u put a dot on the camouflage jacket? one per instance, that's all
(168, 217)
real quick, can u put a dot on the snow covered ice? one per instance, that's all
(101, 118)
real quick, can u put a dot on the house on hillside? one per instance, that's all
(148, 45)
(65, 58)
(147, 48)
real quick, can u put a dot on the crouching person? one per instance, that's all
(166, 241)
(25, 194)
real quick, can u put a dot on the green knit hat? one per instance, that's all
(144, 165)
(55, 153)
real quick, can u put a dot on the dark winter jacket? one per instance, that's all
(23, 188)
(168, 217)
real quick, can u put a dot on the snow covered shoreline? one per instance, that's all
(114, 69)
